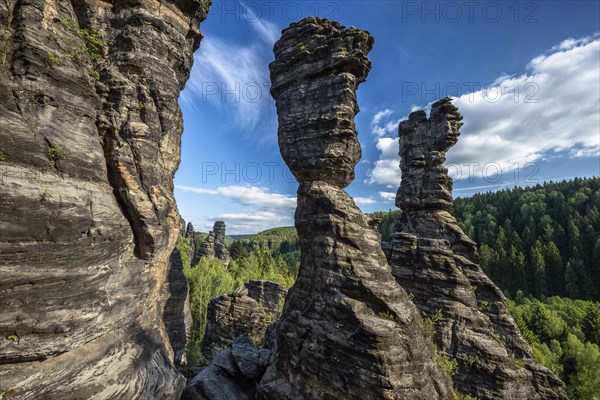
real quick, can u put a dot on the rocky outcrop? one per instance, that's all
(347, 331)
(90, 137)
(207, 247)
(177, 313)
(433, 259)
(214, 245)
(246, 312)
(221, 251)
(233, 374)
(190, 234)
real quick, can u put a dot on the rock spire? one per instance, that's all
(347, 331)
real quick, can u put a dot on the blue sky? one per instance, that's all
(526, 76)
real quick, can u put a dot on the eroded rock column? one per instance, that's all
(434, 260)
(348, 331)
(90, 130)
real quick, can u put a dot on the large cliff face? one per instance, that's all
(347, 331)
(433, 259)
(90, 136)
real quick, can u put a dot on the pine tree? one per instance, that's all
(571, 282)
(554, 269)
(591, 323)
(539, 270)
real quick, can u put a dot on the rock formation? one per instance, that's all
(347, 331)
(207, 247)
(233, 374)
(90, 137)
(177, 313)
(191, 235)
(221, 251)
(247, 312)
(433, 259)
(214, 245)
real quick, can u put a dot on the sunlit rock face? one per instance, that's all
(90, 134)
(348, 331)
(437, 263)
(249, 312)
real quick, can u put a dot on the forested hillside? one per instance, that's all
(542, 240)
(564, 335)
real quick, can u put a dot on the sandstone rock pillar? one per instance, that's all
(347, 331)
(434, 260)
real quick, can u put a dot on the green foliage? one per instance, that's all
(260, 264)
(557, 330)
(57, 153)
(94, 45)
(54, 59)
(483, 305)
(388, 315)
(282, 243)
(1, 155)
(95, 74)
(209, 279)
(590, 325)
(388, 221)
(14, 338)
(448, 363)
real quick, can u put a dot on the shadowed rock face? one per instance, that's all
(348, 331)
(86, 233)
(433, 259)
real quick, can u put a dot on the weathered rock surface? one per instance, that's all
(433, 259)
(246, 312)
(214, 245)
(347, 331)
(233, 374)
(221, 251)
(91, 141)
(177, 313)
(191, 235)
(207, 247)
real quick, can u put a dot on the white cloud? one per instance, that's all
(242, 223)
(521, 119)
(388, 196)
(259, 197)
(196, 189)
(249, 196)
(264, 209)
(377, 128)
(258, 216)
(380, 115)
(364, 201)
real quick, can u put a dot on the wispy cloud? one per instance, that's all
(364, 201)
(267, 30)
(249, 196)
(262, 209)
(520, 119)
(233, 77)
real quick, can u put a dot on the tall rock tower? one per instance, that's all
(348, 331)
(434, 260)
